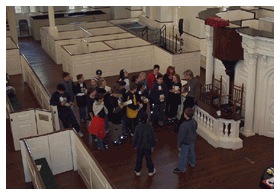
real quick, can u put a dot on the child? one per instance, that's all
(121, 85)
(158, 94)
(174, 97)
(115, 112)
(153, 76)
(97, 125)
(60, 98)
(90, 100)
(101, 84)
(185, 141)
(144, 141)
(98, 75)
(93, 82)
(132, 109)
(124, 77)
(143, 98)
(81, 92)
(144, 81)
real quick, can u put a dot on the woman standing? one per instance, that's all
(174, 97)
(167, 79)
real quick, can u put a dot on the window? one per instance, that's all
(85, 7)
(71, 7)
(17, 9)
(33, 9)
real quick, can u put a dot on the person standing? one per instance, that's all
(193, 89)
(124, 77)
(60, 98)
(144, 141)
(69, 87)
(153, 76)
(174, 98)
(159, 94)
(81, 99)
(185, 141)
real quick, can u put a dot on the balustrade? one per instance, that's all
(218, 132)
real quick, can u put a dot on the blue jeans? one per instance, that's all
(99, 141)
(82, 112)
(186, 154)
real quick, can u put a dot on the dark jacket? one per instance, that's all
(155, 93)
(144, 136)
(70, 89)
(187, 132)
(90, 102)
(81, 98)
(167, 81)
(56, 100)
(193, 89)
(112, 107)
(175, 97)
(129, 96)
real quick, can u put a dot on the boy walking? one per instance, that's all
(144, 140)
(185, 141)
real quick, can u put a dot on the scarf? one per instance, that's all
(97, 107)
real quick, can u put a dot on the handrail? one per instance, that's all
(145, 31)
(163, 32)
(34, 165)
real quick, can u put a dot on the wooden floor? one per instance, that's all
(216, 168)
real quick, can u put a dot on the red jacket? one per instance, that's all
(151, 78)
(97, 127)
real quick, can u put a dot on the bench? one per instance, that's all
(46, 174)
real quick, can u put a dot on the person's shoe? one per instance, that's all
(101, 148)
(83, 120)
(160, 123)
(80, 134)
(131, 134)
(177, 170)
(137, 173)
(192, 165)
(151, 174)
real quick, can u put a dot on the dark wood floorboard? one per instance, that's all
(216, 168)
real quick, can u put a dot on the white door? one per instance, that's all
(23, 124)
(55, 118)
(44, 121)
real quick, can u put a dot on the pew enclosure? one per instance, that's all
(63, 151)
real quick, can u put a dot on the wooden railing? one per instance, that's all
(218, 132)
(31, 172)
(41, 93)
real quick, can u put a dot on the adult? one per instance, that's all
(193, 89)
(167, 79)
(168, 76)
(153, 76)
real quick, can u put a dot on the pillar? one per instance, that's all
(209, 56)
(52, 29)
(251, 62)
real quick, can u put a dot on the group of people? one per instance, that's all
(125, 104)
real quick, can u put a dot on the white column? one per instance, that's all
(209, 56)
(176, 16)
(251, 61)
(53, 29)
